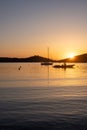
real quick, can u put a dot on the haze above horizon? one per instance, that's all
(28, 27)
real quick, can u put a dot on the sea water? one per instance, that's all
(43, 97)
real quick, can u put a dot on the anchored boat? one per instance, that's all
(47, 62)
(64, 66)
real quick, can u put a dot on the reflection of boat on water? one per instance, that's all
(47, 62)
(64, 66)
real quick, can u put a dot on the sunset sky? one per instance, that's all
(28, 27)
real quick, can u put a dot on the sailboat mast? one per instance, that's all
(47, 62)
(48, 53)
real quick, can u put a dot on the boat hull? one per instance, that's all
(46, 63)
(64, 66)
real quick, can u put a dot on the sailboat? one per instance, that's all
(47, 62)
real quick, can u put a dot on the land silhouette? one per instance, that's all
(77, 59)
(36, 58)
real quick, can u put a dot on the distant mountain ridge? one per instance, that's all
(77, 59)
(35, 58)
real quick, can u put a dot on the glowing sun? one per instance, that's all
(71, 55)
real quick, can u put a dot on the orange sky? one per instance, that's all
(29, 27)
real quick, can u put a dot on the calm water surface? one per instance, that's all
(42, 97)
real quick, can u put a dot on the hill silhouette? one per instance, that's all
(35, 58)
(77, 59)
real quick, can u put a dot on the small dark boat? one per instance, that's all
(46, 63)
(19, 68)
(64, 66)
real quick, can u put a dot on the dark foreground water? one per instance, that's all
(41, 98)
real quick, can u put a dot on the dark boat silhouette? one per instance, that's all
(64, 66)
(47, 62)
(19, 68)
